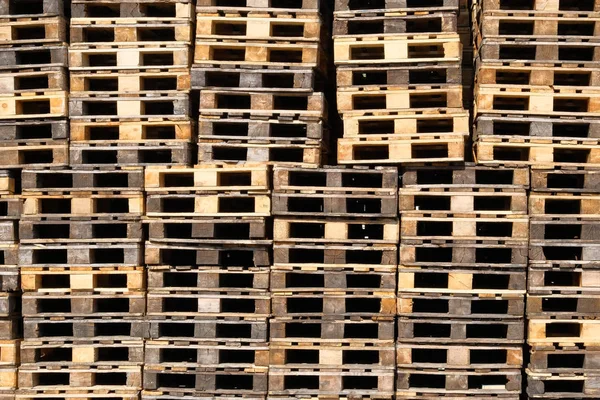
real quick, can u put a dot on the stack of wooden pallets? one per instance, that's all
(564, 273)
(130, 80)
(399, 82)
(10, 300)
(259, 67)
(33, 84)
(333, 280)
(537, 90)
(80, 258)
(462, 280)
(208, 259)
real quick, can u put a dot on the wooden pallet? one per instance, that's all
(8, 379)
(33, 132)
(223, 304)
(97, 231)
(88, 83)
(114, 154)
(256, 105)
(336, 255)
(558, 386)
(476, 306)
(549, 231)
(249, 178)
(48, 104)
(550, 280)
(23, 82)
(262, 5)
(506, 254)
(353, 102)
(397, 49)
(266, 152)
(437, 331)
(563, 205)
(243, 230)
(27, 31)
(107, 378)
(272, 130)
(41, 8)
(208, 205)
(270, 26)
(538, 51)
(381, 180)
(105, 206)
(331, 205)
(106, 58)
(188, 381)
(432, 22)
(307, 279)
(561, 305)
(47, 305)
(7, 185)
(45, 353)
(66, 329)
(465, 177)
(140, 10)
(129, 107)
(556, 359)
(368, 231)
(448, 357)
(292, 355)
(65, 394)
(69, 279)
(562, 332)
(391, 125)
(159, 353)
(462, 201)
(118, 31)
(34, 154)
(490, 73)
(148, 130)
(355, 303)
(347, 8)
(9, 305)
(39, 182)
(335, 331)
(270, 80)
(8, 232)
(564, 254)
(540, 5)
(9, 278)
(417, 149)
(10, 207)
(450, 227)
(337, 381)
(257, 53)
(436, 281)
(208, 279)
(231, 330)
(9, 352)
(564, 180)
(371, 76)
(207, 255)
(33, 57)
(93, 255)
(422, 382)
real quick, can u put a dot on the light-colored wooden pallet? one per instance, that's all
(106, 57)
(96, 83)
(51, 104)
(32, 31)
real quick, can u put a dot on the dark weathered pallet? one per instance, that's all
(209, 279)
(10, 207)
(326, 205)
(194, 255)
(348, 7)
(11, 329)
(99, 206)
(231, 329)
(494, 74)
(319, 304)
(128, 304)
(247, 178)
(227, 303)
(9, 278)
(107, 57)
(339, 256)
(533, 127)
(311, 279)
(555, 359)
(38, 8)
(505, 306)
(268, 152)
(466, 201)
(34, 154)
(368, 231)
(9, 304)
(235, 381)
(556, 305)
(319, 355)
(408, 23)
(244, 230)
(36, 130)
(114, 377)
(547, 231)
(561, 386)
(509, 254)
(495, 332)
(534, 51)
(32, 31)
(466, 177)
(564, 254)
(444, 356)
(34, 57)
(70, 180)
(85, 32)
(436, 280)
(412, 76)
(271, 130)
(555, 280)
(208, 205)
(256, 80)
(8, 232)
(424, 382)
(47, 353)
(563, 332)
(94, 255)
(96, 231)
(169, 353)
(64, 279)
(131, 9)
(564, 180)
(118, 154)
(330, 381)
(66, 329)
(336, 330)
